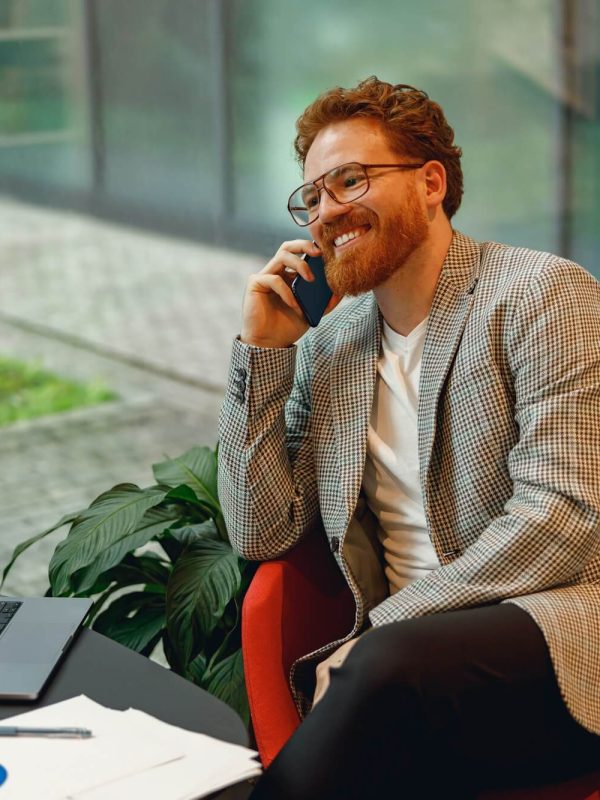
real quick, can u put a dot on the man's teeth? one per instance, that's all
(345, 237)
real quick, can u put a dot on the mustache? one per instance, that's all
(332, 230)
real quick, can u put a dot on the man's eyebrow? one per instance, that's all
(346, 164)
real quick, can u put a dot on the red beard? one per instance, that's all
(392, 242)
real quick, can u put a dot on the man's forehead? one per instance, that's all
(360, 139)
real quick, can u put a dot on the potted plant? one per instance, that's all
(160, 568)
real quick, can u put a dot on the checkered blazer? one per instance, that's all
(509, 448)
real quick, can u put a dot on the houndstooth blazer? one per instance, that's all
(509, 448)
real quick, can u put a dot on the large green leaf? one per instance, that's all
(111, 528)
(20, 548)
(152, 524)
(173, 655)
(133, 620)
(143, 568)
(186, 494)
(226, 681)
(176, 539)
(192, 533)
(196, 669)
(147, 569)
(197, 468)
(203, 581)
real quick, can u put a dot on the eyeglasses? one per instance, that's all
(343, 184)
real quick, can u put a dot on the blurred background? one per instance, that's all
(145, 164)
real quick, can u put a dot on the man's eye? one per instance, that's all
(350, 181)
(311, 200)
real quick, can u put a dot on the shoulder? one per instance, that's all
(520, 274)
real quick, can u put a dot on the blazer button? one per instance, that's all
(241, 372)
(334, 544)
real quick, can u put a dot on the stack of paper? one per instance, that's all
(131, 754)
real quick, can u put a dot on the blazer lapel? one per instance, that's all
(448, 316)
(353, 371)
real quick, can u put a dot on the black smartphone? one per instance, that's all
(312, 296)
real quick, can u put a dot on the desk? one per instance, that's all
(118, 678)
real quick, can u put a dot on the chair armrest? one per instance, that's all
(294, 605)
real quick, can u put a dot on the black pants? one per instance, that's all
(440, 706)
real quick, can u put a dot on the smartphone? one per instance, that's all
(312, 296)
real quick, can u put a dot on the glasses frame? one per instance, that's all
(322, 177)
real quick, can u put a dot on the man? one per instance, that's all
(443, 429)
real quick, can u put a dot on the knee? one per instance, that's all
(389, 662)
(408, 666)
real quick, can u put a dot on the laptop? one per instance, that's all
(35, 632)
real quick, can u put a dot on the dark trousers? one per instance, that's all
(440, 706)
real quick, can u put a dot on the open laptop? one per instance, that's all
(35, 632)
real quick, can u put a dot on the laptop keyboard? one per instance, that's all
(8, 608)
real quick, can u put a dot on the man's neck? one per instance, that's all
(405, 299)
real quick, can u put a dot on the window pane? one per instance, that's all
(43, 124)
(503, 95)
(157, 104)
(33, 13)
(585, 147)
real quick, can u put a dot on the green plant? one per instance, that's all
(159, 565)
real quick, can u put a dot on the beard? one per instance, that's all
(394, 241)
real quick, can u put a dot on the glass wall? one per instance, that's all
(154, 67)
(583, 119)
(502, 96)
(43, 95)
(186, 110)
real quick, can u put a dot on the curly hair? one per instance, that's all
(414, 125)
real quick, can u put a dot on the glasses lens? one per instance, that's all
(347, 182)
(304, 204)
(344, 184)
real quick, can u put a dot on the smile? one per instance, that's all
(350, 235)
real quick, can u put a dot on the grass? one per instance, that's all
(28, 391)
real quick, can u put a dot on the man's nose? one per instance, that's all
(330, 209)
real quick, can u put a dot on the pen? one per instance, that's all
(59, 733)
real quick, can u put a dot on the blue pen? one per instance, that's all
(60, 733)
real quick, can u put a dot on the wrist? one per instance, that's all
(263, 342)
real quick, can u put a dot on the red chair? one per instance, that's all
(295, 605)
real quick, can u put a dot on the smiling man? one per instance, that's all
(441, 430)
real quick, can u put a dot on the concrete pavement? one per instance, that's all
(152, 317)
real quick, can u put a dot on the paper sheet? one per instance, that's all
(208, 765)
(131, 754)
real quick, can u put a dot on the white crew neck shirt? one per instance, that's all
(391, 478)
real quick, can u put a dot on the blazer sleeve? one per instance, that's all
(550, 527)
(266, 475)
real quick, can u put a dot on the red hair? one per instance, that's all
(414, 125)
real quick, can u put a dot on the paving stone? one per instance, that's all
(174, 305)
(153, 317)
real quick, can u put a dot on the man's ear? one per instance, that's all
(434, 174)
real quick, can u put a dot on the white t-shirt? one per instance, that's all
(391, 478)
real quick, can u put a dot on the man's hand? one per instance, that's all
(335, 660)
(271, 317)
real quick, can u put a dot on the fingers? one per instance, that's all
(318, 695)
(335, 661)
(288, 257)
(322, 673)
(264, 283)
